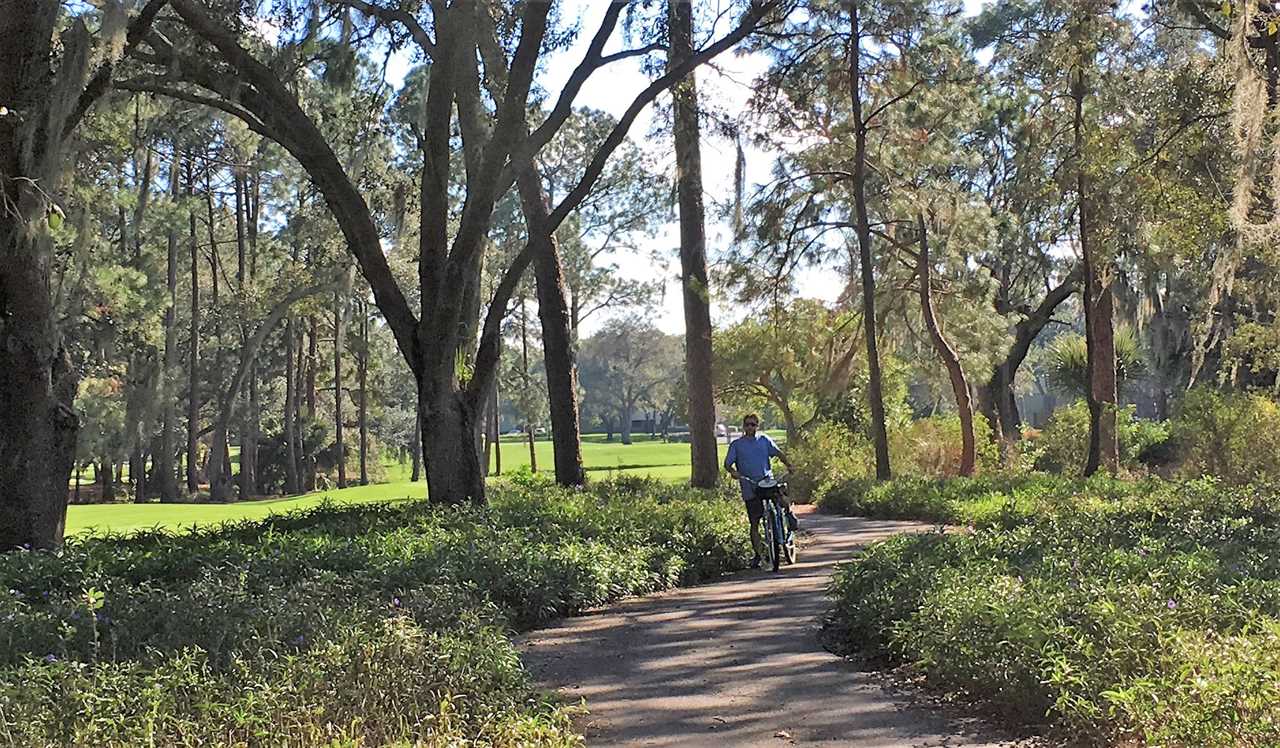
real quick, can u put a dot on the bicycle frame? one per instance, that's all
(776, 536)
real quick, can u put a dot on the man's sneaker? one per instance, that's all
(755, 563)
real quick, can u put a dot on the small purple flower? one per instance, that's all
(1171, 604)
(299, 640)
(1142, 551)
(395, 602)
(49, 659)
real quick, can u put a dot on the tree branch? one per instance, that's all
(400, 16)
(753, 17)
(101, 80)
(275, 106)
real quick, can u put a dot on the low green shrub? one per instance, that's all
(1003, 497)
(832, 459)
(931, 447)
(1234, 436)
(353, 625)
(1063, 445)
(1147, 610)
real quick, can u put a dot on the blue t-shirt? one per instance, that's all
(751, 456)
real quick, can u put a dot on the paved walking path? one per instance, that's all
(738, 663)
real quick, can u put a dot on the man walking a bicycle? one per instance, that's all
(748, 461)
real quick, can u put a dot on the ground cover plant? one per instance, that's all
(339, 625)
(1115, 610)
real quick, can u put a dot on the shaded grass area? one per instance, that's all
(341, 625)
(646, 457)
(1113, 610)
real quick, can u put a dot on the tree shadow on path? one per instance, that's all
(739, 662)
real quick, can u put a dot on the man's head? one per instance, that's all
(750, 424)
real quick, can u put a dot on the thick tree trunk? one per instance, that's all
(557, 337)
(166, 473)
(217, 467)
(875, 393)
(311, 364)
(193, 349)
(626, 423)
(1104, 448)
(452, 460)
(107, 480)
(959, 385)
(693, 257)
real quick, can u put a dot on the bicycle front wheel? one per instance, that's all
(776, 535)
(770, 538)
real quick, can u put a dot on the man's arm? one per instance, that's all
(730, 459)
(775, 452)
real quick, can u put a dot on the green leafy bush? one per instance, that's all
(1233, 436)
(1063, 445)
(833, 459)
(1148, 610)
(366, 625)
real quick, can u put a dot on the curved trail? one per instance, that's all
(738, 663)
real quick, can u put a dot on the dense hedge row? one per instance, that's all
(1113, 609)
(371, 624)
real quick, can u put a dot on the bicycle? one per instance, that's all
(778, 532)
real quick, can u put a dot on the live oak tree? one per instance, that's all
(48, 80)
(453, 372)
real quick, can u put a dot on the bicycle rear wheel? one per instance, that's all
(789, 548)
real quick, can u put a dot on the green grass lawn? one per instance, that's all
(648, 457)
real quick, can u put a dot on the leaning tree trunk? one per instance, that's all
(1098, 301)
(996, 400)
(557, 336)
(693, 257)
(875, 393)
(219, 476)
(959, 385)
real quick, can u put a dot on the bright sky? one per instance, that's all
(612, 90)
